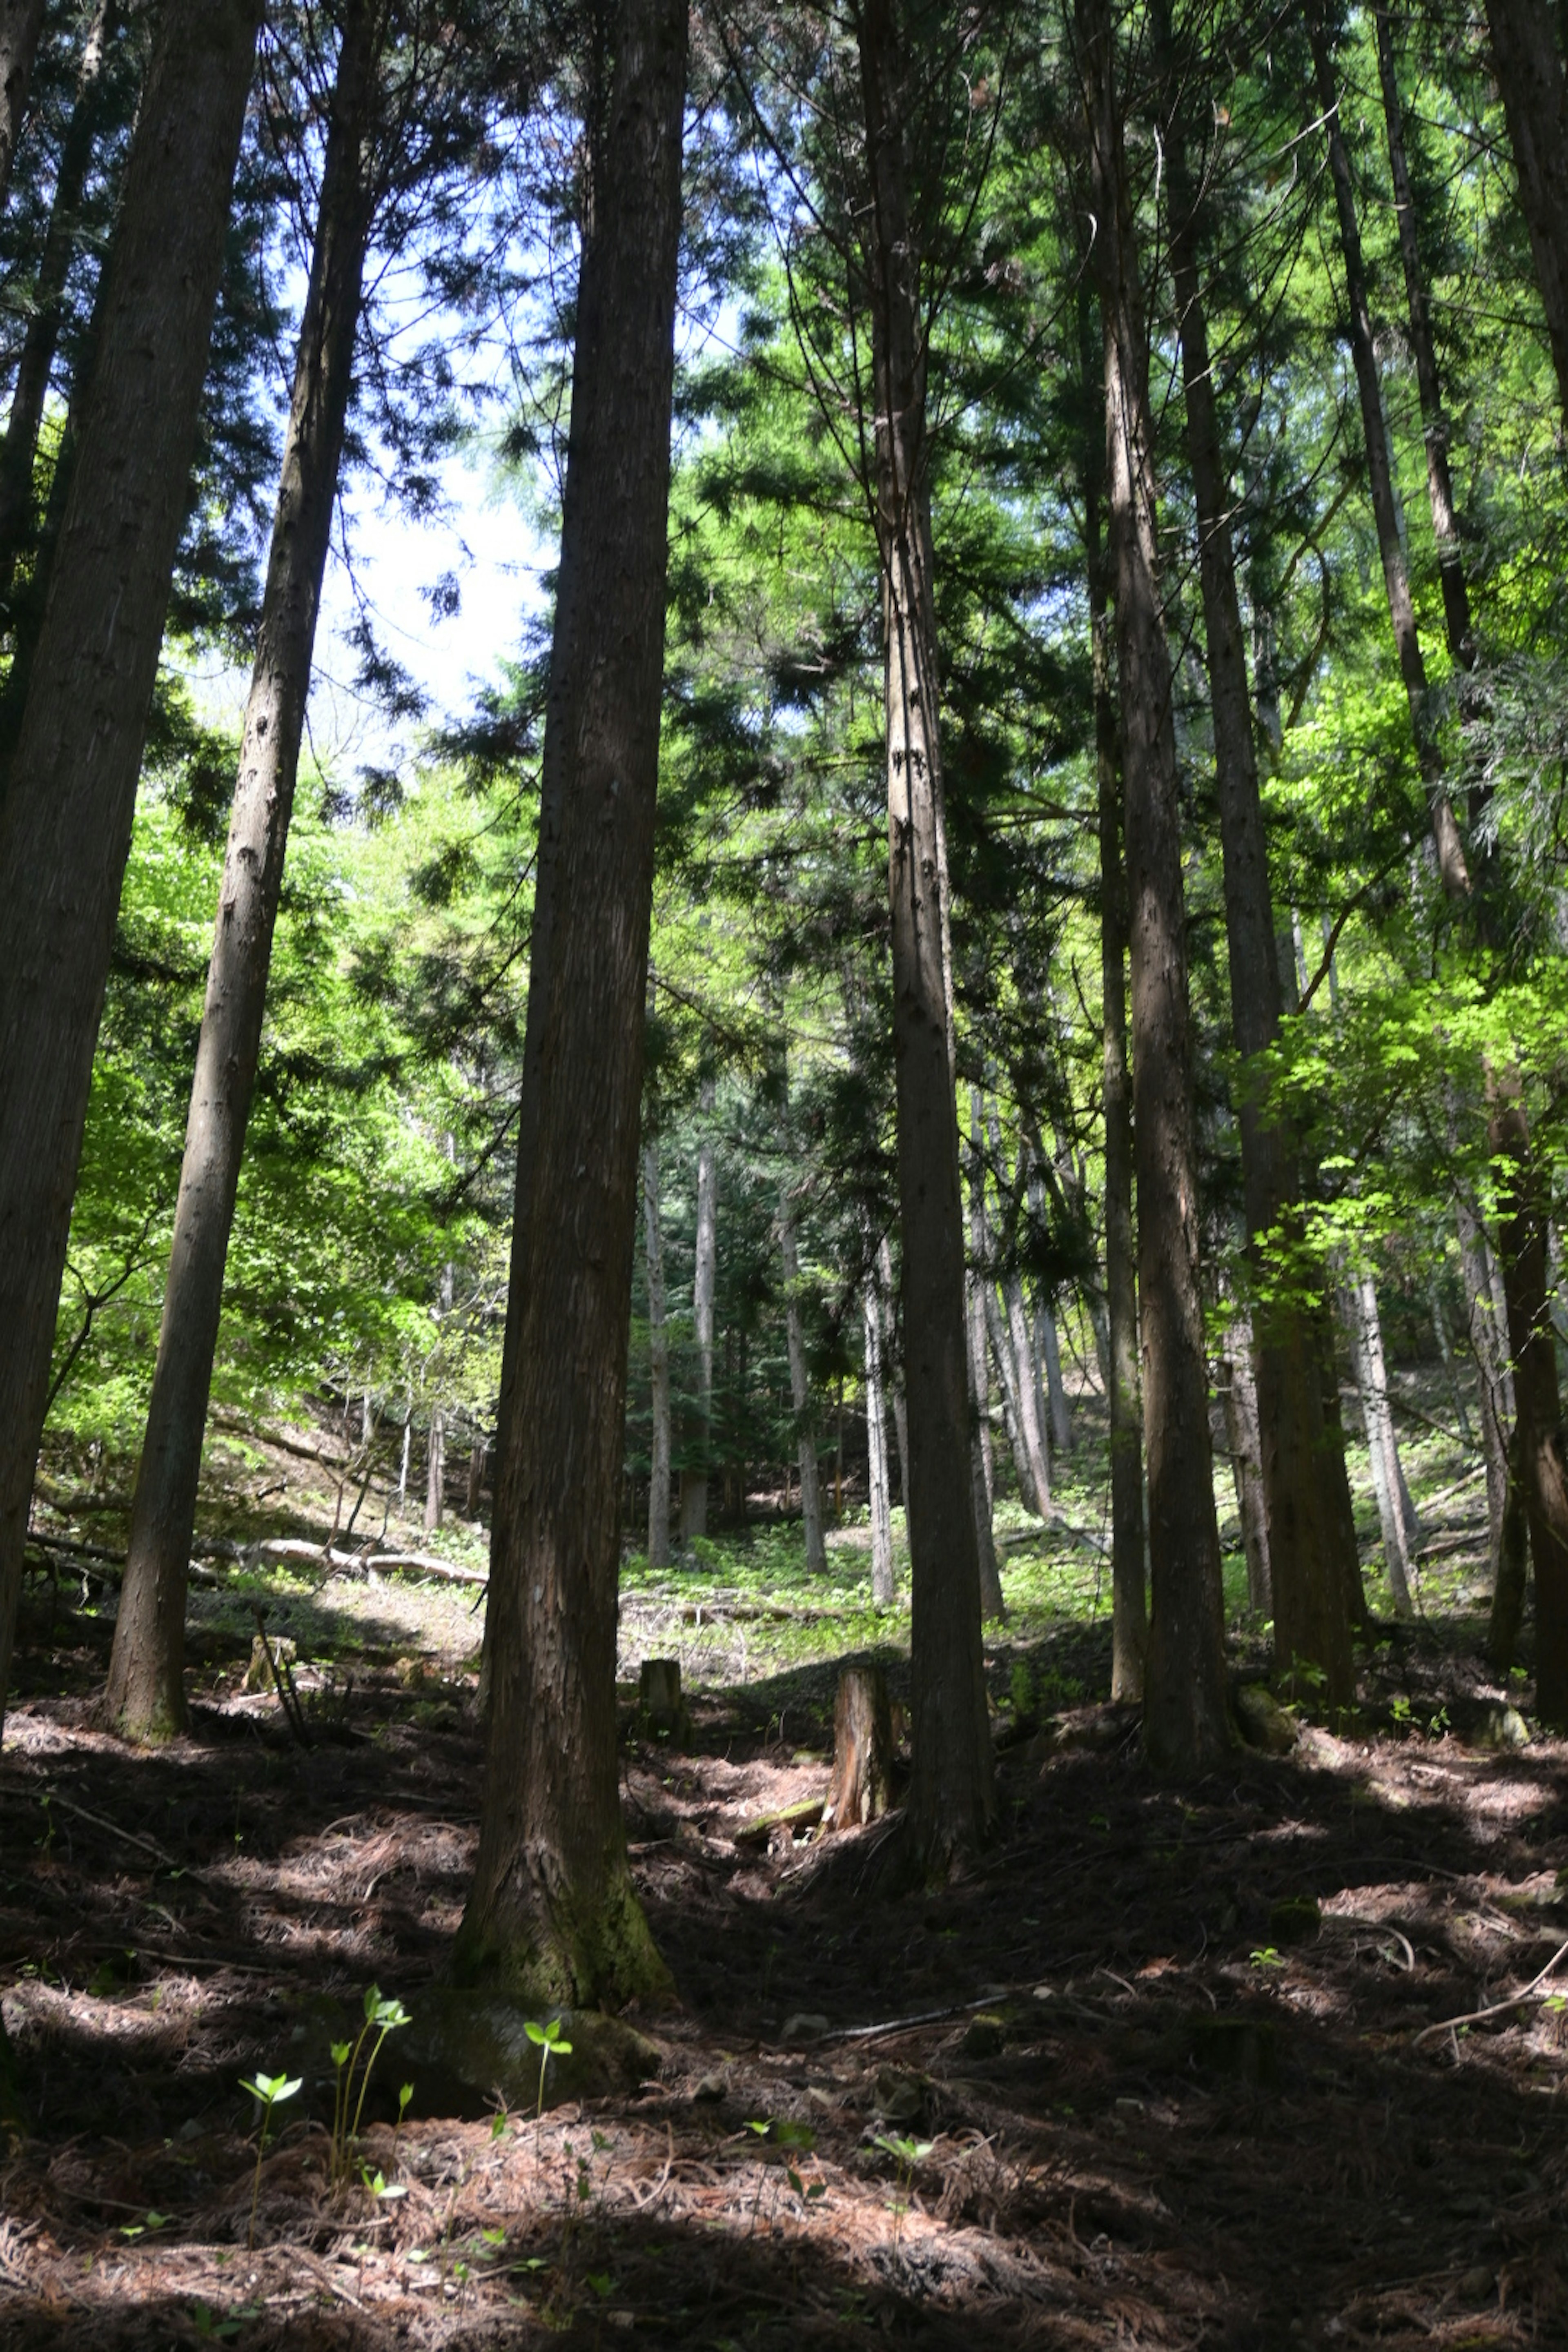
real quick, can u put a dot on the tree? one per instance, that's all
(21, 23)
(551, 1914)
(1185, 1722)
(1529, 73)
(145, 1696)
(66, 819)
(952, 1796)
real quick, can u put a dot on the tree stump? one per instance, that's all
(862, 1786)
(660, 1703)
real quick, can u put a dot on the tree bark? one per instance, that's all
(29, 390)
(1130, 1608)
(145, 1694)
(800, 1393)
(659, 1365)
(1529, 76)
(893, 1362)
(1492, 1380)
(66, 819)
(21, 23)
(1451, 864)
(982, 1464)
(1017, 1342)
(862, 1787)
(1186, 1719)
(882, 1589)
(694, 1481)
(436, 1471)
(953, 1799)
(551, 1914)
(1056, 1393)
(476, 1478)
(1387, 1478)
(1310, 1626)
(1242, 1433)
(1539, 1456)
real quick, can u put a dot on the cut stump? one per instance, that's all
(862, 1786)
(659, 1704)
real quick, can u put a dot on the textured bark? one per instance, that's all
(1017, 1346)
(1539, 1461)
(694, 1480)
(892, 1364)
(659, 1364)
(882, 1589)
(952, 1797)
(1310, 1626)
(476, 1486)
(800, 1394)
(1509, 1571)
(1185, 1719)
(862, 1787)
(1387, 1477)
(65, 821)
(36, 360)
(1534, 88)
(982, 1464)
(552, 1915)
(1337, 1498)
(1380, 476)
(1047, 1346)
(1129, 1606)
(145, 1696)
(1240, 1394)
(21, 22)
(1493, 1384)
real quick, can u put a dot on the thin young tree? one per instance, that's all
(145, 1694)
(1185, 1717)
(66, 819)
(694, 1479)
(552, 1915)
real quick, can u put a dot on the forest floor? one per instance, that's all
(1196, 2066)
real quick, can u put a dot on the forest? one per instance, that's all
(783, 1510)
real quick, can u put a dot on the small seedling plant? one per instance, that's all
(272, 2090)
(906, 2154)
(546, 2039)
(355, 2061)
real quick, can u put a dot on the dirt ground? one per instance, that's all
(1172, 2068)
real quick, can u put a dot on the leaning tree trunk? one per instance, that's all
(1310, 1624)
(1129, 1602)
(659, 1365)
(1534, 87)
(1185, 1717)
(1380, 475)
(71, 797)
(35, 362)
(1539, 1455)
(694, 1481)
(882, 1590)
(800, 1394)
(21, 23)
(952, 1798)
(145, 1696)
(551, 1914)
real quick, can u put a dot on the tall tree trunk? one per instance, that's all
(1310, 1626)
(1024, 1390)
(1387, 1478)
(882, 1591)
(981, 1463)
(1242, 1433)
(66, 819)
(436, 1471)
(892, 1363)
(800, 1393)
(1056, 1392)
(145, 1694)
(551, 1914)
(1529, 75)
(21, 23)
(1129, 1605)
(694, 1481)
(1186, 1719)
(1542, 1469)
(659, 1365)
(953, 1799)
(476, 1487)
(1379, 473)
(1434, 418)
(1492, 1382)
(35, 362)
